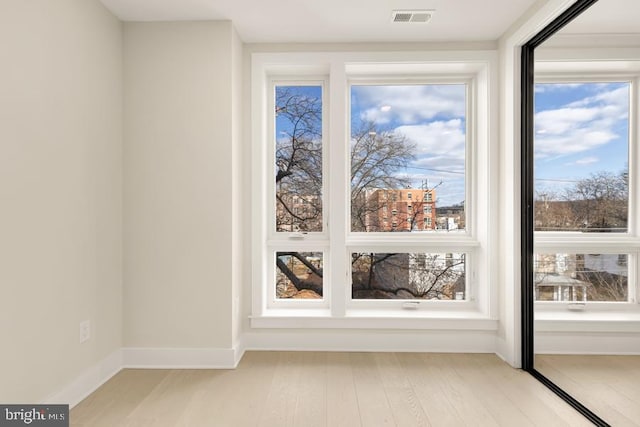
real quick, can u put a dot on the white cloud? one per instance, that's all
(582, 125)
(439, 145)
(616, 100)
(410, 104)
(584, 161)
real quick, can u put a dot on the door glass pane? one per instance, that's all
(581, 157)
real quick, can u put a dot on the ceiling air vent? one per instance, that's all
(411, 16)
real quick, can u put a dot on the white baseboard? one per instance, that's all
(180, 358)
(88, 381)
(382, 341)
(604, 343)
(146, 358)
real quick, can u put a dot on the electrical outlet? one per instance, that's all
(85, 330)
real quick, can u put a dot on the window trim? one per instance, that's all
(340, 66)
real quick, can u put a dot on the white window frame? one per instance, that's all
(583, 316)
(337, 242)
(283, 241)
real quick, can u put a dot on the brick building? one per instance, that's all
(407, 209)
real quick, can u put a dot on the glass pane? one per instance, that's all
(581, 277)
(299, 275)
(298, 168)
(581, 157)
(439, 276)
(407, 147)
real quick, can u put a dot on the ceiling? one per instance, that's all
(261, 21)
(607, 17)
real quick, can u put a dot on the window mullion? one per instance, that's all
(338, 180)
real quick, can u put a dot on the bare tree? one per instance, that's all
(552, 213)
(297, 272)
(601, 201)
(404, 275)
(597, 203)
(298, 162)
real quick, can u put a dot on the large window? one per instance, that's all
(366, 188)
(585, 232)
(408, 144)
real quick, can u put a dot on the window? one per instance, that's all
(324, 244)
(437, 276)
(298, 157)
(296, 204)
(427, 223)
(299, 275)
(586, 237)
(398, 146)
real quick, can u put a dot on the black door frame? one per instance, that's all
(527, 206)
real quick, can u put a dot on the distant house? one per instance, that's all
(451, 217)
(580, 277)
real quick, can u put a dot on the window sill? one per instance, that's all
(375, 319)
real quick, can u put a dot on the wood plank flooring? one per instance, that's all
(608, 385)
(309, 389)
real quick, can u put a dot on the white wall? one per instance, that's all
(60, 192)
(179, 215)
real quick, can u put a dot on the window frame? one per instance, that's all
(470, 161)
(288, 241)
(597, 243)
(407, 242)
(322, 82)
(479, 310)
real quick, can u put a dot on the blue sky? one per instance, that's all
(580, 129)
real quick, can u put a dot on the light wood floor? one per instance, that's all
(608, 385)
(330, 389)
